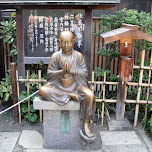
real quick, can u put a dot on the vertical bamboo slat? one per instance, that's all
(92, 88)
(139, 88)
(40, 80)
(104, 90)
(149, 77)
(104, 59)
(116, 66)
(5, 57)
(100, 57)
(93, 47)
(8, 51)
(19, 106)
(96, 46)
(28, 90)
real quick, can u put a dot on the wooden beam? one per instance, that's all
(88, 39)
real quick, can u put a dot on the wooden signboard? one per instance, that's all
(42, 28)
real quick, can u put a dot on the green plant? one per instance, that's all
(8, 34)
(33, 115)
(100, 72)
(6, 88)
(147, 122)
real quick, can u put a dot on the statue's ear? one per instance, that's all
(74, 40)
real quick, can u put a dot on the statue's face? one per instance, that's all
(66, 41)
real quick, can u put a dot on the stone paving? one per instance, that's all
(112, 141)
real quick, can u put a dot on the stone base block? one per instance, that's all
(53, 138)
(62, 125)
(123, 125)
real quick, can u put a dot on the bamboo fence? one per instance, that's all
(97, 85)
(92, 83)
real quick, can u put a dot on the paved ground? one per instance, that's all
(28, 137)
(112, 141)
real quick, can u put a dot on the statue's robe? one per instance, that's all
(54, 90)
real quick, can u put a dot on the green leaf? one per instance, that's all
(31, 108)
(31, 117)
(24, 108)
(6, 97)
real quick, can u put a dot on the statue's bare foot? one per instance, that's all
(75, 97)
(87, 131)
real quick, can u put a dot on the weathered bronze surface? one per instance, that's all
(67, 79)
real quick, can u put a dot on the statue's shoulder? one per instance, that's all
(56, 54)
(78, 53)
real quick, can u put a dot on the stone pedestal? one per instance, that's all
(60, 131)
(123, 125)
(62, 125)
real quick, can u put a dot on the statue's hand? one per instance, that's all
(75, 97)
(67, 66)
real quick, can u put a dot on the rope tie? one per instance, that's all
(18, 102)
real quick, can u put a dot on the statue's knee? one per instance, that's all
(41, 91)
(91, 95)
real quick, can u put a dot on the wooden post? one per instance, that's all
(120, 100)
(20, 47)
(88, 38)
(125, 72)
(14, 89)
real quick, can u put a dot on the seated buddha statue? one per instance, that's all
(67, 79)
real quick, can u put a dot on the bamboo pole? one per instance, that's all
(19, 106)
(92, 88)
(127, 101)
(92, 82)
(93, 48)
(96, 46)
(40, 112)
(32, 80)
(103, 98)
(5, 57)
(144, 67)
(100, 46)
(28, 90)
(139, 88)
(8, 51)
(149, 77)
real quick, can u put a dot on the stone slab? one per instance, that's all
(56, 150)
(8, 141)
(146, 139)
(119, 138)
(40, 104)
(31, 139)
(123, 125)
(122, 148)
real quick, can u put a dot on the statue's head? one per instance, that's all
(67, 41)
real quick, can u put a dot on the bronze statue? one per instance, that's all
(67, 78)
